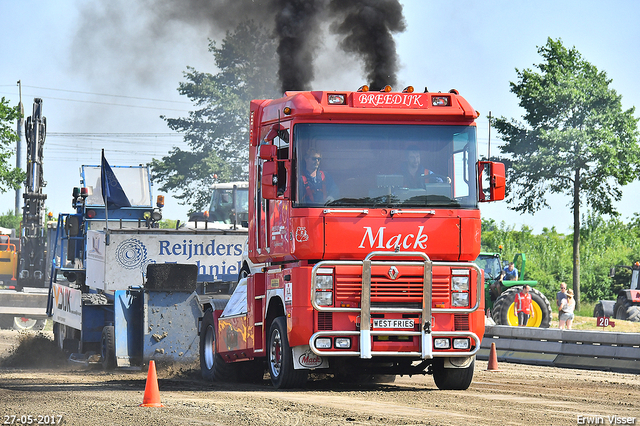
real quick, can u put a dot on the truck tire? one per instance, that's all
(452, 378)
(503, 309)
(625, 310)
(212, 366)
(108, 347)
(280, 358)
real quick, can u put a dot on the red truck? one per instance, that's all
(364, 212)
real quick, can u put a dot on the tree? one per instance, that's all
(10, 220)
(217, 133)
(10, 178)
(577, 140)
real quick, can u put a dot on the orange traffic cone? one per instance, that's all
(151, 390)
(493, 359)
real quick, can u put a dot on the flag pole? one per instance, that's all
(104, 198)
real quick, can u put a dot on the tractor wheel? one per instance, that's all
(452, 378)
(108, 348)
(598, 310)
(280, 358)
(212, 366)
(503, 309)
(626, 310)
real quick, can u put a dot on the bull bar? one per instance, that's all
(365, 333)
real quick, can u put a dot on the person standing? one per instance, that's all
(523, 306)
(561, 295)
(567, 307)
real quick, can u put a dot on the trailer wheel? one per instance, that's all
(452, 378)
(598, 310)
(283, 375)
(212, 366)
(108, 347)
(503, 309)
(625, 310)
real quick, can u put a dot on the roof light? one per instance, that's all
(287, 111)
(160, 201)
(408, 89)
(386, 89)
(363, 88)
(440, 101)
(477, 114)
(336, 99)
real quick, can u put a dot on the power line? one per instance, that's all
(106, 94)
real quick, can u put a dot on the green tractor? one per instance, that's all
(500, 294)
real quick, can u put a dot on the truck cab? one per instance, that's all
(364, 210)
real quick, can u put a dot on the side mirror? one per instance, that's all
(491, 181)
(268, 152)
(269, 180)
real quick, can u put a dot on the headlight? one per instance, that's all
(460, 343)
(324, 282)
(323, 343)
(343, 343)
(460, 283)
(324, 298)
(460, 299)
(441, 343)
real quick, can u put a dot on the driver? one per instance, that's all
(316, 185)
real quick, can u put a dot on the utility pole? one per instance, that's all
(18, 206)
(489, 142)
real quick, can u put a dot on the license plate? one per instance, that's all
(392, 323)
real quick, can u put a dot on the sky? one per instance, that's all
(108, 88)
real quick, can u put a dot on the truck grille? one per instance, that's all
(406, 289)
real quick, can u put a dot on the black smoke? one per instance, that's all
(367, 27)
(125, 36)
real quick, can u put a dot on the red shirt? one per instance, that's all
(523, 303)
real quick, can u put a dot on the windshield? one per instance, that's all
(221, 208)
(384, 165)
(134, 181)
(491, 266)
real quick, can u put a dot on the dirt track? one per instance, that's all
(519, 395)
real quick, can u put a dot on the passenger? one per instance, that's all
(316, 186)
(415, 176)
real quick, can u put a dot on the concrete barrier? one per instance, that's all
(595, 350)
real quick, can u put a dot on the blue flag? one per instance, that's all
(112, 192)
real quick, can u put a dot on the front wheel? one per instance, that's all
(452, 378)
(283, 375)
